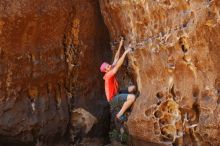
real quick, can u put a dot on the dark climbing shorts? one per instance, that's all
(123, 91)
(118, 101)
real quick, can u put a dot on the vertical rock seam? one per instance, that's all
(87, 46)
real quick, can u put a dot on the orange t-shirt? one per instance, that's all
(111, 85)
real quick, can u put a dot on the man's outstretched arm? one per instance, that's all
(118, 51)
(120, 61)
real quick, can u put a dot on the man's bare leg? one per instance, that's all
(131, 89)
(126, 105)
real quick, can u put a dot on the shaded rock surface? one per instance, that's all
(86, 46)
(175, 65)
(32, 70)
(50, 52)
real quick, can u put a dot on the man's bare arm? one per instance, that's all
(120, 61)
(118, 51)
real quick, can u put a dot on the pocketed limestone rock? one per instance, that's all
(175, 64)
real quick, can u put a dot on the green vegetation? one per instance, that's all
(119, 136)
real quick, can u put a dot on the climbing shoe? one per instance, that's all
(122, 118)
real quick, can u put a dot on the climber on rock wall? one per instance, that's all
(116, 98)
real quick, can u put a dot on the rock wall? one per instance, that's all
(175, 65)
(87, 46)
(50, 52)
(32, 70)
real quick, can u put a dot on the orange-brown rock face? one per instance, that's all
(32, 69)
(175, 63)
(50, 52)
